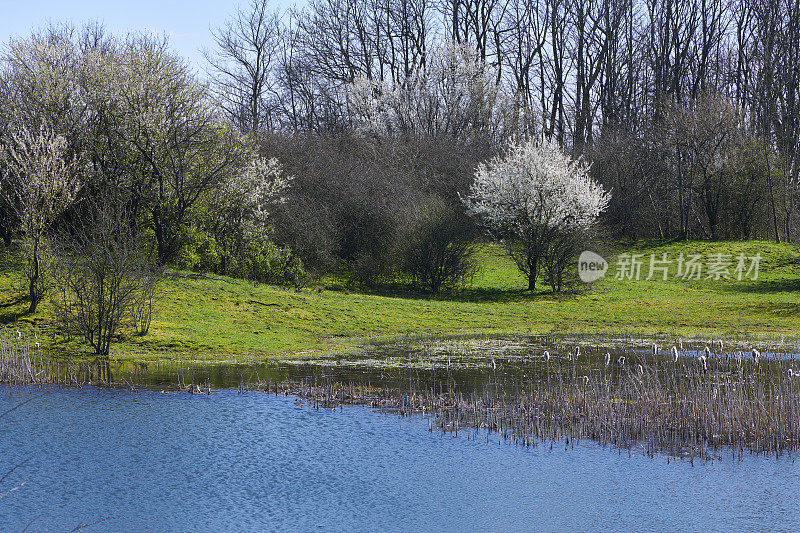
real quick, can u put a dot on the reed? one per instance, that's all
(16, 359)
(700, 406)
(23, 363)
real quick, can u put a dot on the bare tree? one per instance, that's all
(105, 277)
(704, 133)
(242, 65)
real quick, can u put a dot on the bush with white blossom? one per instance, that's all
(533, 196)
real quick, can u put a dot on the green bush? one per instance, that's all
(436, 248)
(255, 259)
(273, 264)
(200, 252)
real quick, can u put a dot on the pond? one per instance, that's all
(149, 461)
(470, 362)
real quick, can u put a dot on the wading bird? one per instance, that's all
(755, 354)
(655, 349)
(674, 354)
(546, 355)
(707, 351)
(704, 360)
(608, 358)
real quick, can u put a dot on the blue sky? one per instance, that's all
(186, 22)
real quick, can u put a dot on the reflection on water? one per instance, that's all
(254, 462)
(507, 363)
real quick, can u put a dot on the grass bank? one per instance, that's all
(204, 318)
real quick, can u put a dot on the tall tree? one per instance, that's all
(241, 66)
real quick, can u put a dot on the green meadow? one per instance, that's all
(207, 318)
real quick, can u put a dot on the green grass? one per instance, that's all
(227, 319)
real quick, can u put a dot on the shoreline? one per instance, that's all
(626, 397)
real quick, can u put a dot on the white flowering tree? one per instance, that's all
(241, 211)
(41, 183)
(262, 185)
(454, 95)
(532, 197)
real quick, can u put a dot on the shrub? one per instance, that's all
(436, 249)
(532, 198)
(268, 263)
(104, 278)
(199, 253)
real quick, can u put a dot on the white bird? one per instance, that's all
(608, 358)
(640, 369)
(546, 355)
(585, 380)
(674, 354)
(577, 352)
(494, 365)
(621, 360)
(680, 343)
(791, 373)
(703, 359)
(720, 346)
(655, 349)
(37, 345)
(19, 334)
(755, 354)
(707, 351)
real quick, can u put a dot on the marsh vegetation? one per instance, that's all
(686, 402)
(693, 399)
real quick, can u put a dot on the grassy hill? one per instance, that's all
(227, 319)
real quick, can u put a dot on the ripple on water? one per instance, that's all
(254, 462)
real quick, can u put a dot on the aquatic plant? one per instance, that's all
(23, 363)
(16, 360)
(693, 407)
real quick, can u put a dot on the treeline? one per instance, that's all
(344, 136)
(688, 109)
(119, 133)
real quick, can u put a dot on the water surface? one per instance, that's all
(252, 462)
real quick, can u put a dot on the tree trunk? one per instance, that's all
(533, 272)
(162, 246)
(32, 288)
(772, 196)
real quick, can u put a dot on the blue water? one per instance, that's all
(254, 462)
